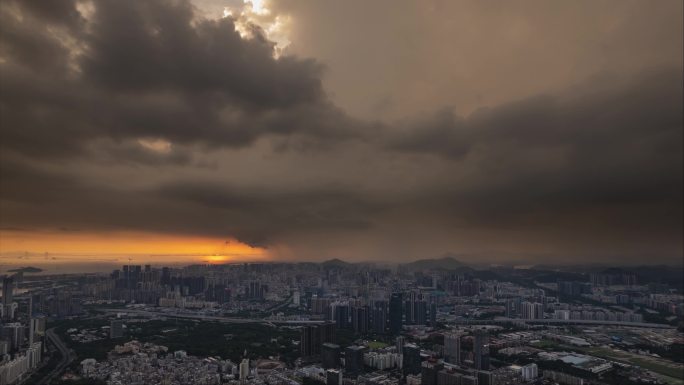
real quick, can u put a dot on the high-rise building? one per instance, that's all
(481, 350)
(330, 355)
(409, 308)
(360, 319)
(527, 310)
(395, 313)
(399, 342)
(379, 317)
(8, 312)
(420, 313)
(485, 377)
(529, 372)
(14, 333)
(452, 348)
(36, 329)
(166, 276)
(319, 305)
(411, 359)
(353, 359)
(328, 331)
(341, 315)
(244, 370)
(532, 310)
(313, 336)
(256, 290)
(448, 377)
(34, 354)
(310, 341)
(429, 370)
(513, 307)
(333, 377)
(433, 314)
(7, 290)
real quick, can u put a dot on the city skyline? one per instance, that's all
(221, 131)
(431, 322)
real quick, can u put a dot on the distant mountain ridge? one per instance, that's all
(447, 262)
(27, 269)
(335, 262)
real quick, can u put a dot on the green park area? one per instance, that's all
(670, 372)
(377, 345)
(546, 344)
(232, 341)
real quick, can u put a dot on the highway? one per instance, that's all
(494, 321)
(208, 317)
(281, 305)
(562, 322)
(67, 354)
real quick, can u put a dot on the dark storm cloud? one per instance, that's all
(142, 116)
(202, 208)
(148, 69)
(143, 46)
(601, 154)
(261, 216)
(57, 12)
(589, 119)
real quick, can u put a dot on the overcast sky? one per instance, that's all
(362, 130)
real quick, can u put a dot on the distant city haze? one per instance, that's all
(221, 131)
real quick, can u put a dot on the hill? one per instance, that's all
(446, 263)
(27, 269)
(335, 263)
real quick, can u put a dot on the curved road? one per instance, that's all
(68, 357)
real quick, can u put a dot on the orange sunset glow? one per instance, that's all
(18, 247)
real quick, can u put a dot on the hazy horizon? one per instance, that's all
(76, 267)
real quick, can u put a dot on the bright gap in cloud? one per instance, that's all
(157, 145)
(257, 13)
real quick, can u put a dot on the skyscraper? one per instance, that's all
(333, 377)
(409, 308)
(360, 319)
(7, 290)
(433, 314)
(429, 371)
(310, 341)
(420, 312)
(452, 348)
(481, 350)
(353, 359)
(313, 336)
(341, 315)
(411, 359)
(328, 332)
(379, 317)
(400, 344)
(485, 377)
(395, 313)
(330, 355)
